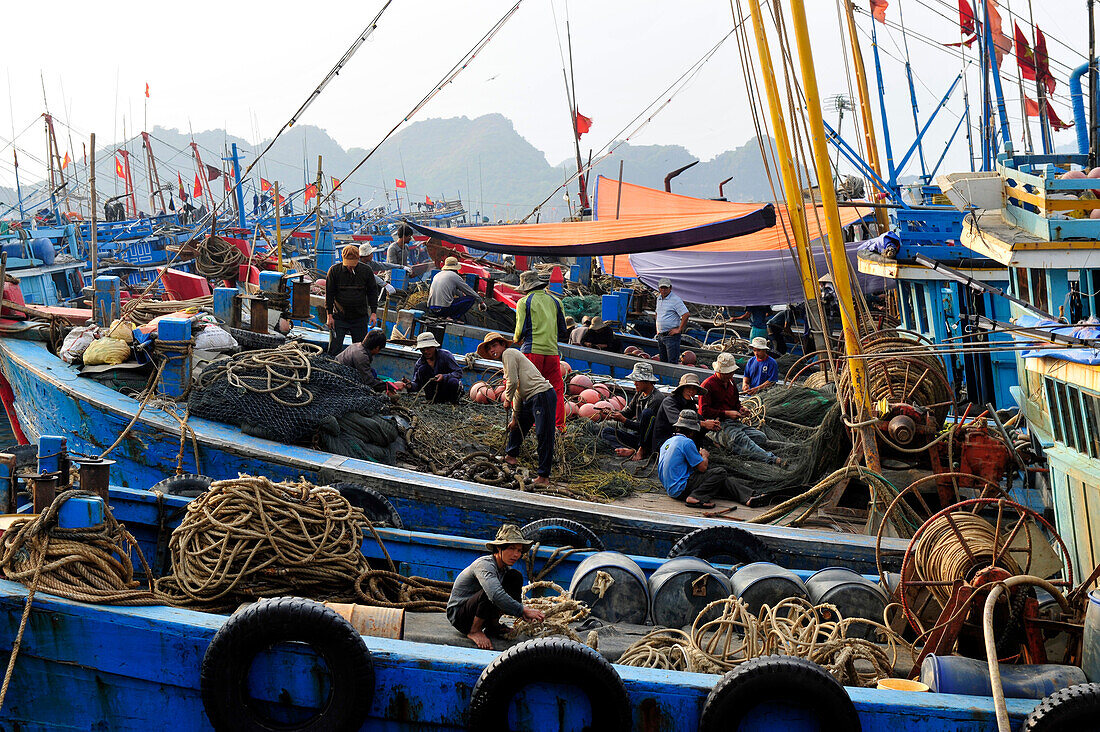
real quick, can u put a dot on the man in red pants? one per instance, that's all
(540, 324)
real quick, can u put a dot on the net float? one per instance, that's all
(603, 391)
(565, 368)
(590, 396)
(588, 411)
(579, 383)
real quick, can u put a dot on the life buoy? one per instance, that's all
(1075, 707)
(258, 627)
(562, 532)
(723, 544)
(779, 680)
(553, 661)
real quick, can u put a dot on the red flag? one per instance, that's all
(212, 172)
(428, 201)
(398, 183)
(1042, 60)
(335, 183)
(228, 185)
(1033, 111)
(311, 191)
(1002, 44)
(878, 10)
(65, 162)
(264, 185)
(119, 170)
(280, 200)
(584, 124)
(1025, 59)
(967, 25)
(198, 186)
(1032, 106)
(183, 193)
(146, 90)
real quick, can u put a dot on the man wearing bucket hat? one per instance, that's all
(761, 371)
(532, 402)
(684, 396)
(672, 318)
(685, 470)
(721, 402)
(351, 299)
(449, 296)
(540, 324)
(489, 588)
(634, 431)
(601, 336)
(436, 371)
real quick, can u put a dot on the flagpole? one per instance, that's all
(317, 208)
(94, 252)
(278, 229)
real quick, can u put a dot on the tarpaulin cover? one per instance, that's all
(594, 238)
(1088, 356)
(757, 269)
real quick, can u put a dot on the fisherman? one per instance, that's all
(540, 324)
(577, 334)
(436, 372)
(351, 299)
(684, 468)
(531, 399)
(397, 254)
(489, 588)
(601, 336)
(684, 396)
(758, 320)
(635, 429)
(720, 402)
(761, 371)
(360, 356)
(449, 296)
(672, 318)
(570, 326)
(782, 324)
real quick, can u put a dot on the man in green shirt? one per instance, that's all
(540, 324)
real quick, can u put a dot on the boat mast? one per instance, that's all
(796, 211)
(571, 96)
(57, 173)
(202, 174)
(857, 366)
(128, 183)
(882, 216)
(316, 211)
(154, 179)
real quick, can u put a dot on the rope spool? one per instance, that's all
(955, 548)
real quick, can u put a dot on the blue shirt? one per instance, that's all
(669, 312)
(761, 372)
(676, 462)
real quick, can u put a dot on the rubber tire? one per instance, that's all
(249, 341)
(551, 660)
(1076, 707)
(782, 679)
(188, 486)
(225, 666)
(25, 455)
(715, 541)
(562, 532)
(378, 509)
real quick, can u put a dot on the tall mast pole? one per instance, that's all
(154, 179)
(18, 189)
(571, 93)
(857, 365)
(881, 215)
(94, 251)
(796, 211)
(317, 208)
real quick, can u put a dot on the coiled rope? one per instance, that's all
(217, 259)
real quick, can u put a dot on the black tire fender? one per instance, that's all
(235, 646)
(783, 680)
(562, 532)
(375, 506)
(1075, 707)
(714, 542)
(549, 660)
(188, 486)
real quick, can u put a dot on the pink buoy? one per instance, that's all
(589, 396)
(586, 411)
(579, 383)
(1073, 175)
(618, 403)
(565, 368)
(571, 410)
(603, 390)
(603, 408)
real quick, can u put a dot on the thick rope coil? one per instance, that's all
(559, 610)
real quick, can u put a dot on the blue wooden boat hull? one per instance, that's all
(115, 668)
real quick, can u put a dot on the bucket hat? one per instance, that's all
(688, 419)
(482, 350)
(426, 340)
(689, 380)
(530, 280)
(508, 534)
(450, 264)
(642, 372)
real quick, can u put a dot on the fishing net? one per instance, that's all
(804, 428)
(580, 306)
(289, 394)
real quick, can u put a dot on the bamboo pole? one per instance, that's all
(857, 366)
(865, 111)
(95, 244)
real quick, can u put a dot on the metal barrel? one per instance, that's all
(613, 586)
(377, 622)
(1090, 649)
(853, 595)
(680, 588)
(765, 583)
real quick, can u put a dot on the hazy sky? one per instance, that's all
(248, 66)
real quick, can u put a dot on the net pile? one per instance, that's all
(804, 428)
(289, 394)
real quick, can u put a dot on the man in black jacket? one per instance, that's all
(351, 300)
(634, 433)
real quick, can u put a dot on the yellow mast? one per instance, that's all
(881, 214)
(857, 366)
(791, 189)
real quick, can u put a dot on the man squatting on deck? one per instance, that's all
(489, 588)
(532, 401)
